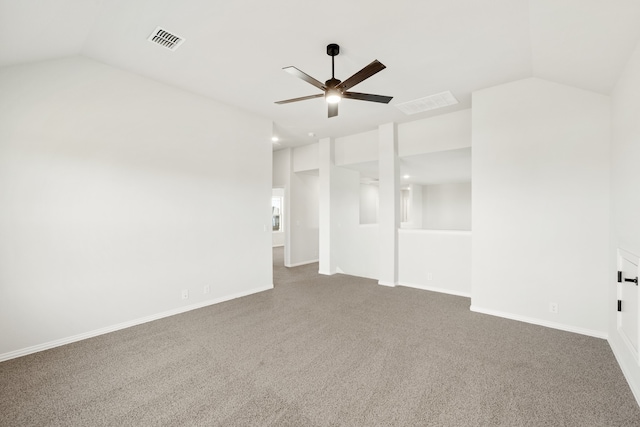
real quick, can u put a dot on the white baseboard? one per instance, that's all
(389, 284)
(436, 289)
(298, 264)
(124, 325)
(540, 322)
(635, 387)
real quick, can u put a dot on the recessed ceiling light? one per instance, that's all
(406, 176)
(274, 139)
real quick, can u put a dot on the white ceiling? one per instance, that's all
(235, 51)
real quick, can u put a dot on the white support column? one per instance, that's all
(287, 208)
(327, 264)
(389, 213)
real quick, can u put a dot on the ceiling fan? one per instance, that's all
(335, 89)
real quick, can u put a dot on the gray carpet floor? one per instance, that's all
(323, 351)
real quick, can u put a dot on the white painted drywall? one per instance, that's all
(117, 192)
(369, 200)
(447, 206)
(326, 239)
(625, 195)
(389, 213)
(358, 148)
(305, 158)
(355, 246)
(540, 177)
(345, 245)
(281, 168)
(304, 224)
(435, 260)
(439, 133)
(415, 206)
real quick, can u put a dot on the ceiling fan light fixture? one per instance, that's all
(334, 89)
(333, 96)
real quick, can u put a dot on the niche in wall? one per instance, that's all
(436, 190)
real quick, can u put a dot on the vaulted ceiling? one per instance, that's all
(235, 50)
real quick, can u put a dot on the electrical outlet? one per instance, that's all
(185, 293)
(553, 307)
(429, 276)
(206, 289)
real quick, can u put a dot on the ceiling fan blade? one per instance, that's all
(304, 76)
(302, 98)
(333, 110)
(368, 71)
(367, 97)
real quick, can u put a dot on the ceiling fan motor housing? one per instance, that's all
(332, 82)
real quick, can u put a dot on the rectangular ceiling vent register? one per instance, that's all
(165, 38)
(427, 103)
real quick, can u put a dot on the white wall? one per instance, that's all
(281, 168)
(412, 195)
(435, 260)
(355, 245)
(417, 206)
(304, 223)
(447, 206)
(540, 204)
(358, 148)
(117, 192)
(305, 158)
(625, 178)
(304, 198)
(439, 133)
(369, 199)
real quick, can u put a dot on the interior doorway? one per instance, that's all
(278, 229)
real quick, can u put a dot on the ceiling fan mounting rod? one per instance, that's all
(333, 50)
(332, 68)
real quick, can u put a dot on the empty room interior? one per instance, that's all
(320, 213)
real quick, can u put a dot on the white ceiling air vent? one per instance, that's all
(165, 38)
(427, 103)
